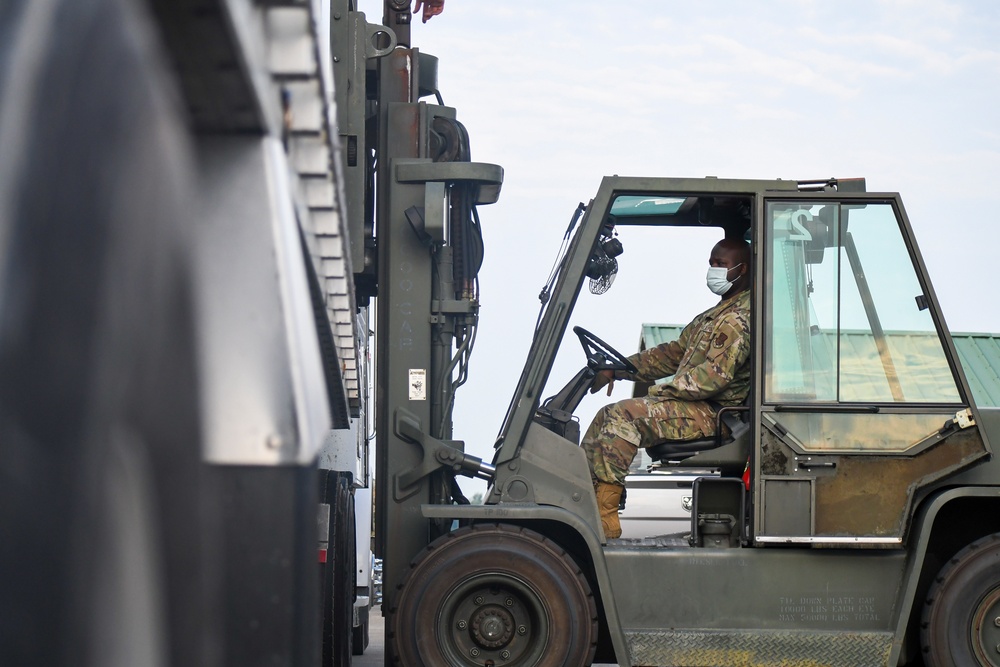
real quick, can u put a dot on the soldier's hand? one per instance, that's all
(601, 379)
(431, 8)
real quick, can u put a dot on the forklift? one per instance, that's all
(866, 530)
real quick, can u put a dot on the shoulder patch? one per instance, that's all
(720, 340)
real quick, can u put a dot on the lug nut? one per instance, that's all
(996, 621)
(462, 625)
(479, 599)
(521, 629)
(505, 655)
(509, 602)
(474, 653)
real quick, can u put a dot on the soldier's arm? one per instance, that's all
(728, 351)
(662, 360)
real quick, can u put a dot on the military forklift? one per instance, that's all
(865, 532)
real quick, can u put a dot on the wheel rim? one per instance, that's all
(985, 630)
(492, 617)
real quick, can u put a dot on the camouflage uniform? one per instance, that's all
(709, 362)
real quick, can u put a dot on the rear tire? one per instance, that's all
(103, 556)
(961, 620)
(494, 594)
(338, 618)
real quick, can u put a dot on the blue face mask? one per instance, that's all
(718, 279)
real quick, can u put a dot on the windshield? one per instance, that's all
(643, 205)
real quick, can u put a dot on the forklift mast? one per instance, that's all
(424, 250)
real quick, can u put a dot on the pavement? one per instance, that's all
(375, 653)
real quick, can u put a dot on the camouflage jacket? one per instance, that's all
(710, 360)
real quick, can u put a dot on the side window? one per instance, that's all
(847, 320)
(801, 296)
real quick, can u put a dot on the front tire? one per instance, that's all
(961, 621)
(494, 594)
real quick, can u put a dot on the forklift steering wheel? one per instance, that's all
(600, 355)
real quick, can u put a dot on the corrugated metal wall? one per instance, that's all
(978, 352)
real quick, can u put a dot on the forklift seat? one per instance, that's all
(717, 451)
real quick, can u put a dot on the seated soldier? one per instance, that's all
(710, 365)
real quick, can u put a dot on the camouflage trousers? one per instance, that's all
(619, 429)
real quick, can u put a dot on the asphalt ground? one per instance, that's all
(375, 653)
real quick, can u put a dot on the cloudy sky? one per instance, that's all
(905, 93)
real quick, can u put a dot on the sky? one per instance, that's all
(905, 93)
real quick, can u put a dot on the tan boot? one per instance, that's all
(608, 498)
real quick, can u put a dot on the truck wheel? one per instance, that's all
(102, 496)
(961, 621)
(338, 618)
(494, 594)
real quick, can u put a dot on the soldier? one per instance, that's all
(710, 366)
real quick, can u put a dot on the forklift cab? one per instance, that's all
(855, 385)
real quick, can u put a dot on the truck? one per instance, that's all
(186, 385)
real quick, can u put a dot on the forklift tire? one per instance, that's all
(494, 594)
(961, 620)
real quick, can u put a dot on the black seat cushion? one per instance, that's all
(678, 450)
(675, 450)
